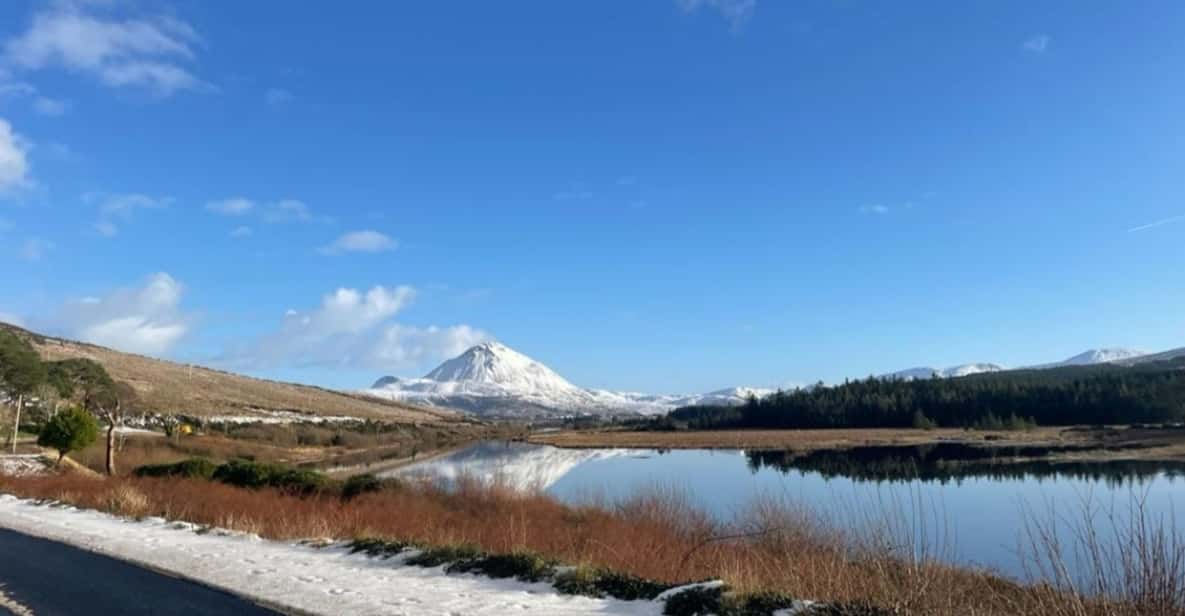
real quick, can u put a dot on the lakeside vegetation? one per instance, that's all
(769, 554)
(1019, 399)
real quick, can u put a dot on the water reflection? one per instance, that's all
(518, 465)
(946, 462)
(978, 498)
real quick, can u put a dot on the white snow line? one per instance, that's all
(297, 577)
(12, 605)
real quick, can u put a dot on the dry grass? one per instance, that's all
(167, 387)
(658, 535)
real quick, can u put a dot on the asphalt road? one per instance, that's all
(45, 578)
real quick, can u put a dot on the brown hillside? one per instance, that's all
(168, 387)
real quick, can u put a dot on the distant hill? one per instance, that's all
(1101, 393)
(169, 387)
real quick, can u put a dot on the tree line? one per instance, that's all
(1105, 394)
(82, 386)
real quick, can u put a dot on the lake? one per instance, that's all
(975, 507)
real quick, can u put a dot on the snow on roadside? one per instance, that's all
(312, 580)
(21, 465)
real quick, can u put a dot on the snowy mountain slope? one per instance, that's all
(952, 372)
(1097, 356)
(1115, 355)
(493, 379)
(1162, 356)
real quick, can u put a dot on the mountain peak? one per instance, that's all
(1102, 356)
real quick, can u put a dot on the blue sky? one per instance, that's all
(660, 196)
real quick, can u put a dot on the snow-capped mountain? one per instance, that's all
(952, 372)
(1114, 355)
(493, 379)
(1098, 356)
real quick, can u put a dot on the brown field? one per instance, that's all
(313, 446)
(168, 387)
(773, 546)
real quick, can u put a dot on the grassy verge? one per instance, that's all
(631, 549)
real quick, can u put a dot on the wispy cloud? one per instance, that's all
(875, 208)
(14, 162)
(34, 249)
(121, 206)
(277, 96)
(42, 105)
(240, 232)
(119, 50)
(1165, 221)
(736, 12)
(368, 241)
(233, 206)
(1037, 43)
(292, 211)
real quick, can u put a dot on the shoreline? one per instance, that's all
(1087, 443)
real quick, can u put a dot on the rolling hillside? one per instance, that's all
(165, 386)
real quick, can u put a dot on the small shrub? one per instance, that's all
(360, 484)
(193, 468)
(244, 474)
(378, 547)
(698, 601)
(299, 481)
(598, 583)
(525, 566)
(444, 555)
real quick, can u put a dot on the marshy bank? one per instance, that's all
(771, 552)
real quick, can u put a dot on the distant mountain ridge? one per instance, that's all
(1112, 355)
(491, 379)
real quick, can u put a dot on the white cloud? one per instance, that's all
(118, 50)
(14, 162)
(277, 96)
(1164, 221)
(234, 206)
(124, 204)
(145, 319)
(106, 228)
(43, 105)
(874, 209)
(736, 12)
(49, 107)
(354, 329)
(243, 231)
(121, 206)
(34, 249)
(1037, 43)
(291, 211)
(360, 241)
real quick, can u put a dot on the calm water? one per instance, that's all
(978, 513)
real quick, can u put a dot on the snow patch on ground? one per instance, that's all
(22, 465)
(293, 575)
